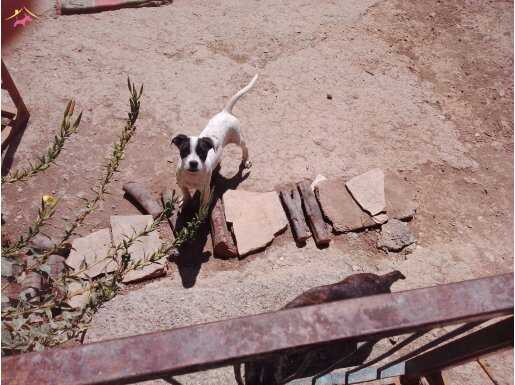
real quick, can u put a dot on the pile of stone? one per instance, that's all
(87, 257)
(370, 200)
(365, 201)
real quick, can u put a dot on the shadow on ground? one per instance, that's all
(191, 255)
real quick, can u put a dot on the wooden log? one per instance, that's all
(314, 214)
(143, 197)
(293, 202)
(223, 243)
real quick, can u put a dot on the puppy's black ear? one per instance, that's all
(206, 143)
(179, 139)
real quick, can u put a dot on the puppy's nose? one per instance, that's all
(193, 165)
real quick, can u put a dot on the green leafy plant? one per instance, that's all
(45, 212)
(48, 319)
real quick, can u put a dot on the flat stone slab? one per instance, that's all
(153, 270)
(368, 190)
(400, 197)
(340, 208)
(256, 217)
(395, 235)
(92, 248)
(124, 226)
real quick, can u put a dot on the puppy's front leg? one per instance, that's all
(205, 196)
(186, 196)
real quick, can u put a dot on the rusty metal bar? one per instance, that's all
(484, 341)
(22, 113)
(201, 347)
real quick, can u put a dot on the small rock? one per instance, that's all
(31, 280)
(56, 264)
(395, 235)
(93, 249)
(10, 268)
(78, 294)
(42, 242)
(368, 190)
(31, 284)
(12, 290)
(256, 217)
(28, 294)
(380, 218)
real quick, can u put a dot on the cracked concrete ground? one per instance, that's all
(423, 89)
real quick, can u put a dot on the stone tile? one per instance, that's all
(92, 248)
(123, 226)
(153, 270)
(368, 190)
(256, 217)
(340, 208)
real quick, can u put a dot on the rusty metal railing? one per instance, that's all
(258, 337)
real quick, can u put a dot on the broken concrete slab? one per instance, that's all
(93, 249)
(340, 208)
(395, 235)
(380, 218)
(400, 198)
(124, 226)
(256, 217)
(368, 190)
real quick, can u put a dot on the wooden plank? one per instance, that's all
(293, 202)
(314, 214)
(143, 197)
(223, 243)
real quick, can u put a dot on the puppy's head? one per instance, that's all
(193, 151)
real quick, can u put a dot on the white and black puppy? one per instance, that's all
(200, 155)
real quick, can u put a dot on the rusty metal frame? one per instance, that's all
(415, 365)
(211, 345)
(22, 114)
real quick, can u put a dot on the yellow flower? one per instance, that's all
(49, 200)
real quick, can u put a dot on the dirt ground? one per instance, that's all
(422, 89)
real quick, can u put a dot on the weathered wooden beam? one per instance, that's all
(143, 197)
(223, 243)
(314, 214)
(293, 202)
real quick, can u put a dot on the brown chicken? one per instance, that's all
(294, 365)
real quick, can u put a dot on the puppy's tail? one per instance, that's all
(239, 94)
